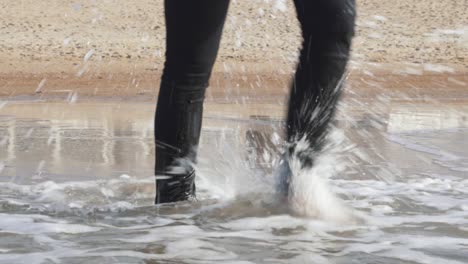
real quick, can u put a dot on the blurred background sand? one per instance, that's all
(116, 48)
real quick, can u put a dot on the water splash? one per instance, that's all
(310, 193)
(226, 174)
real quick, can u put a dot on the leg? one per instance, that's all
(327, 30)
(194, 31)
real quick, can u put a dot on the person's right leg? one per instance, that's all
(194, 29)
(327, 30)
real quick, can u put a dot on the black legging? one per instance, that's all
(194, 29)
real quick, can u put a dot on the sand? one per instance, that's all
(81, 49)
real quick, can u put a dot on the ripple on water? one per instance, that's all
(410, 189)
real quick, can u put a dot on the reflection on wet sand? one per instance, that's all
(58, 140)
(87, 140)
(422, 116)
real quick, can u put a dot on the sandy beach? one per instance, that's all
(116, 48)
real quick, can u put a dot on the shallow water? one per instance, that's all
(76, 186)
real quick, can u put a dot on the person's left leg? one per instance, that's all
(327, 30)
(194, 29)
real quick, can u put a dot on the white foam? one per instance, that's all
(39, 224)
(166, 233)
(106, 195)
(265, 223)
(190, 248)
(309, 191)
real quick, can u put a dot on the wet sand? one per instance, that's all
(82, 138)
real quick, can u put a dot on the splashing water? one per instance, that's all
(309, 191)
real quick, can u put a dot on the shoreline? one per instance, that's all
(234, 85)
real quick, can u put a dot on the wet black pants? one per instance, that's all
(194, 29)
